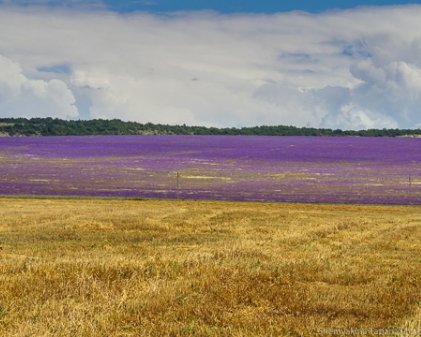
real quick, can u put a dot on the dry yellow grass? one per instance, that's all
(188, 268)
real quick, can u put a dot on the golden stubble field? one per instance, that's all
(91, 267)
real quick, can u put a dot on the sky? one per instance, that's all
(250, 6)
(336, 64)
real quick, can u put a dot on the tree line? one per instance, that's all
(58, 127)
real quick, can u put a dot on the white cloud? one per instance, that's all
(357, 68)
(24, 97)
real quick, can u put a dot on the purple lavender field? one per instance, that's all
(287, 169)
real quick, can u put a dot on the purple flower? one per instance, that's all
(293, 169)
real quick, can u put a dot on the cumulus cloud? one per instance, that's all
(355, 69)
(24, 97)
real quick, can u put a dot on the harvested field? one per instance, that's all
(92, 267)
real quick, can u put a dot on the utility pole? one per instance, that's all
(178, 180)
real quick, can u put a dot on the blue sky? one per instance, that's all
(253, 6)
(222, 6)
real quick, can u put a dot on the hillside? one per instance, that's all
(58, 127)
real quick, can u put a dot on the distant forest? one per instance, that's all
(58, 127)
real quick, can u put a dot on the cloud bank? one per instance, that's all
(24, 97)
(351, 69)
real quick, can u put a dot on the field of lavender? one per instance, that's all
(286, 169)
